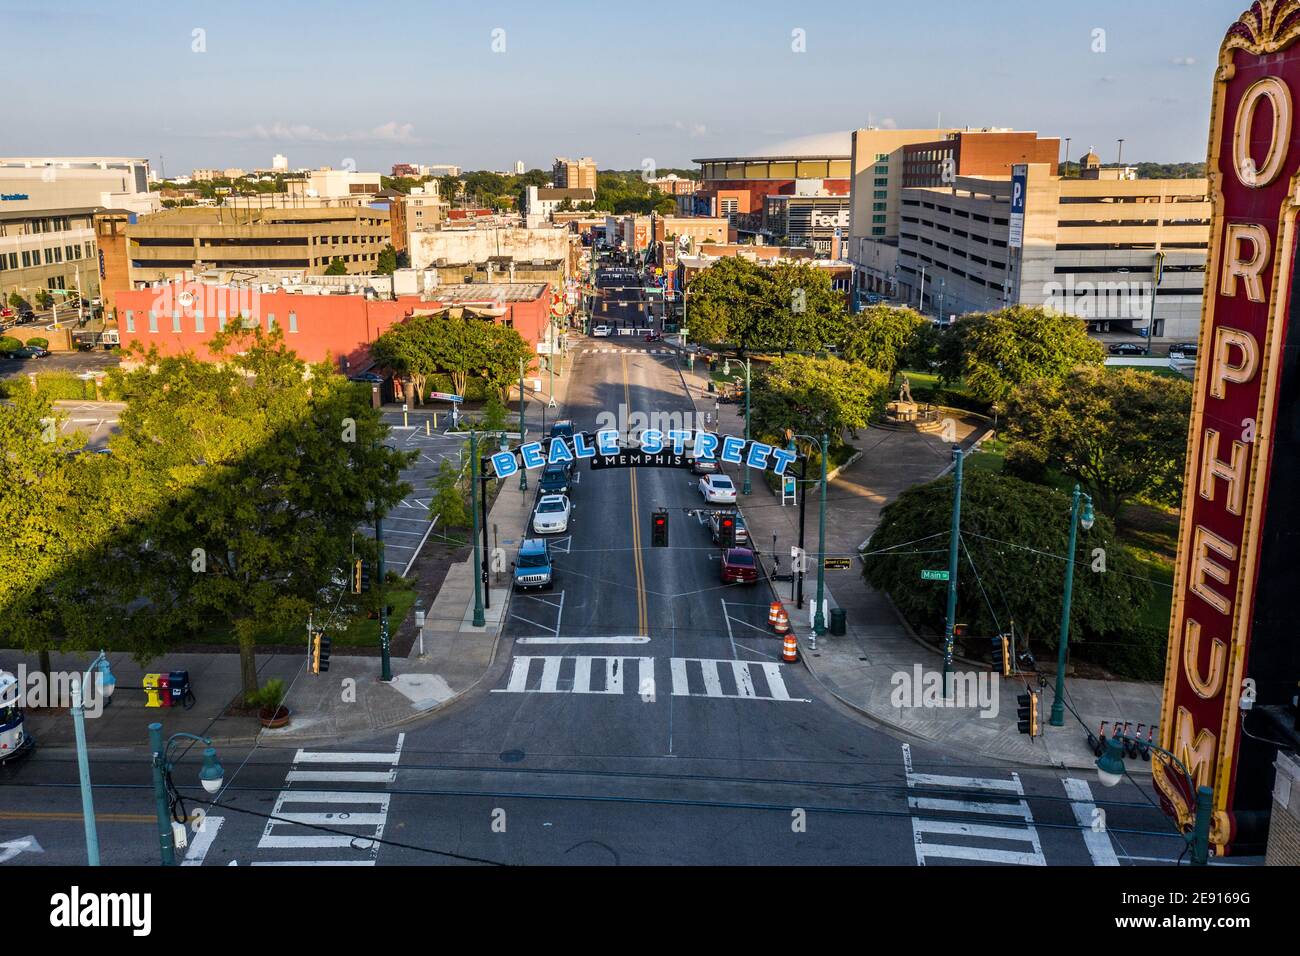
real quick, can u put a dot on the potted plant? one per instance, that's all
(270, 702)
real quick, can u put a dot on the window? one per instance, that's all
(882, 169)
(27, 259)
(880, 194)
(882, 157)
(198, 321)
(153, 321)
(176, 320)
(880, 219)
(877, 230)
(877, 207)
(270, 321)
(130, 320)
(882, 181)
(293, 321)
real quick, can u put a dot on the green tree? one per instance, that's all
(814, 395)
(449, 187)
(16, 301)
(1122, 432)
(387, 263)
(501, 350)
(882, 336)
(267, 466)
(410, 349)
(998, 351)
(8, 343)
(1014, 536)
(448, 502)
(494, 414)
(43, 299)
(779, 308)
(403, 260)
(337, 267)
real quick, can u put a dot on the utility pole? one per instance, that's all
(819, 618)
(479, 619)
(1119, 159)
(746, 490)
(523, 474)
(386, 664)
(1076, 519)
(953, 546)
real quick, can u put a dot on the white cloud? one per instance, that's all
(889, 123)
(1183, 61)
(390, 132)
(693, 129)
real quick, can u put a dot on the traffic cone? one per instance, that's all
(782, 625)
(790, 653)
(772, 610)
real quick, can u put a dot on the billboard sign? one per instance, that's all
(1231, 633)
(1016, 226)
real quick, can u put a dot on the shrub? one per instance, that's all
(8, 343)
(39, 342)
(1025, 461)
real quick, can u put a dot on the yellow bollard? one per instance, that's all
(427, 429)
(435, 419)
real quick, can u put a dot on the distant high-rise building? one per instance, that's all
(574, 173)
(279, 163)
(519, 167)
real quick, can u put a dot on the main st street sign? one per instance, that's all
(1232, 639)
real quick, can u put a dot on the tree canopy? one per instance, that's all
(814, 395)
(1014, 538)
(783, 308)
(884, 337)
(1122, 432)
(995, 352)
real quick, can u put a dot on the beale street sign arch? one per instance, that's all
(1237, 575)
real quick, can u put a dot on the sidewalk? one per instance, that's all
(875, 668)
(349, 700)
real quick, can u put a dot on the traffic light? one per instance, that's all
(659, 529)
(1002, 654)
(320, 653)
(727, 531)
(1027, 713)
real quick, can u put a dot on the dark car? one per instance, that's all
(29, 352)
(739, 566)
(562, 429)
(653, 337)
(374, 378)
(704, 466)
(1127, 348)
(1183, 350)
(555, 479)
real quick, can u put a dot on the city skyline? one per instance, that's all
(240, 90)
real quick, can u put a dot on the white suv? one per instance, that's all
(600, 331)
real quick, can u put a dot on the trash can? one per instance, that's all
(839, 621)
(711, 388)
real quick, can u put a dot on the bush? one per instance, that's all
(1025, 461)
(39, 342)
(955, 398)
(1138, 654)
(8, 343)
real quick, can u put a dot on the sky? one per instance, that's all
(375, 82)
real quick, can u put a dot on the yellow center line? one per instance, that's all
(641, 611)
(69, 815)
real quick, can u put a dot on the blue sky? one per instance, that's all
(387, 81)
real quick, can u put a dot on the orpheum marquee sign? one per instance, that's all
(1233, 632)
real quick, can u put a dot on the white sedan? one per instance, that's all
(552, 515)
(718, 490)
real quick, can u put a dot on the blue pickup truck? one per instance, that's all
(532, 566)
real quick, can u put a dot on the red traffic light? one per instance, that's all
(659, 520)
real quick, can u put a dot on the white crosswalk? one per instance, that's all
(623, 675)
(331, 827)
(992, 825)
(627, 351)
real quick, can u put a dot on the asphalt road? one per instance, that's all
(75, 362)
(637, 714)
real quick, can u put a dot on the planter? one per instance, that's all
(274, 718)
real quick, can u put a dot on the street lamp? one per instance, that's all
(211, 776)
(107, 684)
(746, 489)
(479, 620)
(523, 473)
(1111, 770)
(1077, 520)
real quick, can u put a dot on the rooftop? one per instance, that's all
(837, 145)
(489, 292)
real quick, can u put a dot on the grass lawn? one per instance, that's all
(1163, 371)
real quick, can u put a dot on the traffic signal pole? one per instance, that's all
(479, 620)
(953, 546)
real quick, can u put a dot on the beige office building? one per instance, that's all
(574, 173)
(197, 238)
(1090, 247)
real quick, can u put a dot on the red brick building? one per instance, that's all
(183, 316)
(976, 153)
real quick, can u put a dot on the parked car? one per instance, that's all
(532, 566)
(739, 566)
(718, 490)
(600, 331)
(715, 526)
(1127, 348)
(555, 479)
(29, 352)
(552, 514)
(374, 378)
(654, 337)
(562, 429)
(1183, 350)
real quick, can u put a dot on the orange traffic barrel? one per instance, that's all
(782, 622)
(773, 610)
(790, 652)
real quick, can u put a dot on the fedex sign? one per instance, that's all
(1232, 632)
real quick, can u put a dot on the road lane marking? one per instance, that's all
(641, 601)
(615, 669)
(581, 640)
(1085, 813)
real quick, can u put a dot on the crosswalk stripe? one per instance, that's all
(613, 675)
(379, 798)
(681, 686)
(615, 682)
(340, 776)
(313, 863)
(775, 685)
(712, 685)
(969, 806)
(582, 676)
(321, 756)
(550, 675)
(973, 829)
(318, 841)
(518, 675)
(744, 686)
(963, 783)
(979, 854)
